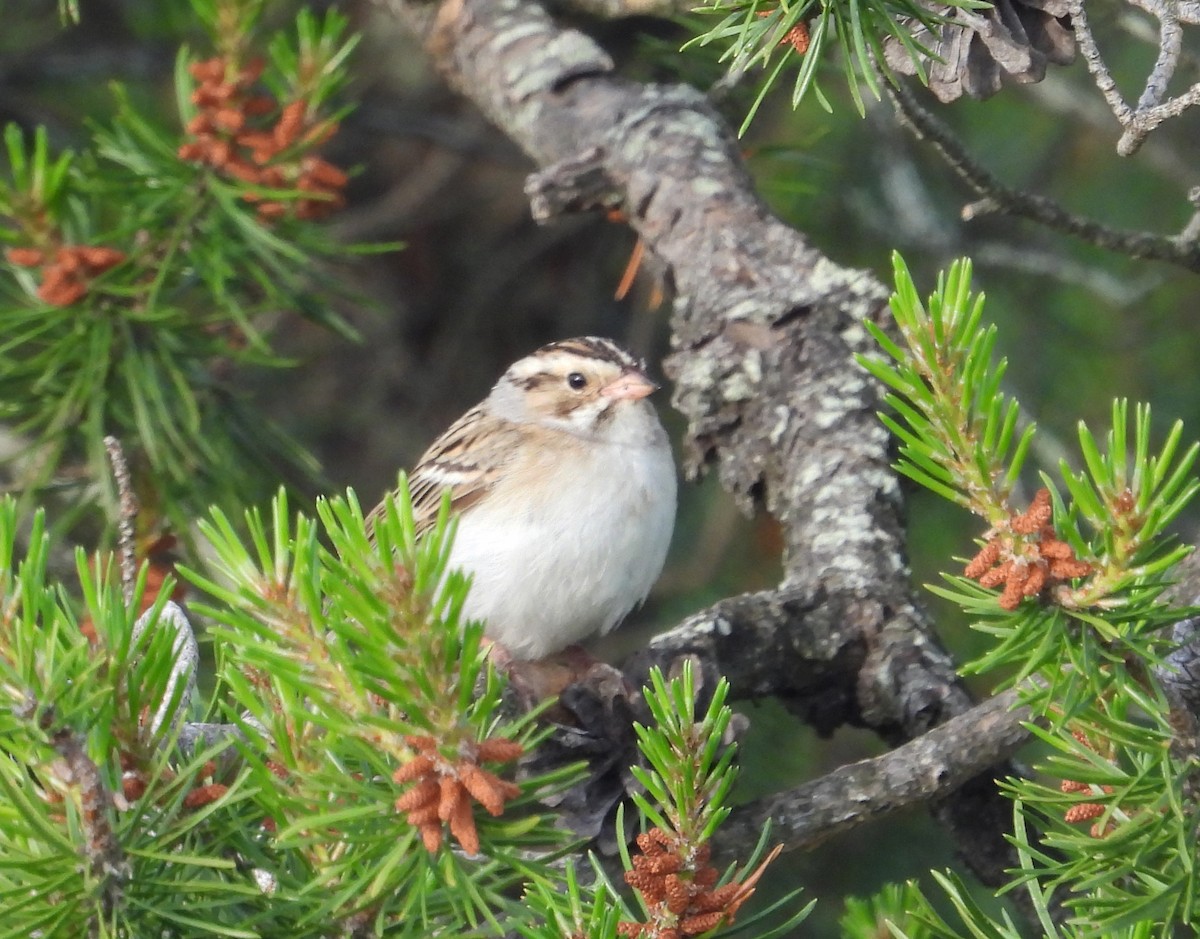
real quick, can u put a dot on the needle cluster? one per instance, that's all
(776, 39)
(139, 273)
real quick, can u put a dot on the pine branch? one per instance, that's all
(136, 272)
(1122, 747)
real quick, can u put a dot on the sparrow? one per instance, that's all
(564, 486)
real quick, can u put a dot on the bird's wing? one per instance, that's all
(467, 460)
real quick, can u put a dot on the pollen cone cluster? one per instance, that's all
(797, 37)
(67, 271)
(250, 137)
(203, 790)
(443, 789)
(1025, 555)
(1085, 811)
(679, 886)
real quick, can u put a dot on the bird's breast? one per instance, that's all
(565, 547)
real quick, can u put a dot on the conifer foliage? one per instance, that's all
(358, 778)
(142, 269)
(1071, 588)
(348, 766)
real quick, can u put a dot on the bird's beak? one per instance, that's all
(631, 385)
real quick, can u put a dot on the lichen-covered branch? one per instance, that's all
(943, 759)
(181, 684)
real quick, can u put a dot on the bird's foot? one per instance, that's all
(533, 681)
(530, 681)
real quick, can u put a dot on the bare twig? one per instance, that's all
(913, 219)
(1060, 97)
(1151, 110)
(1170, 45)
(995, 197)
(1186, 11)
(128, 508)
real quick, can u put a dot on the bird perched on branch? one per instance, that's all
(564, 484)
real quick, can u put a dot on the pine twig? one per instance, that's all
(103, 852)
(997, 198)
(105, 859)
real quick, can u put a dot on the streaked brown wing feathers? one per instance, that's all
(467, 459)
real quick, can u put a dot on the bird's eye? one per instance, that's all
(577, 381)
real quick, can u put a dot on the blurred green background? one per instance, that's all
(479, 284)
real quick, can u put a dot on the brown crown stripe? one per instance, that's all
(593, 347)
